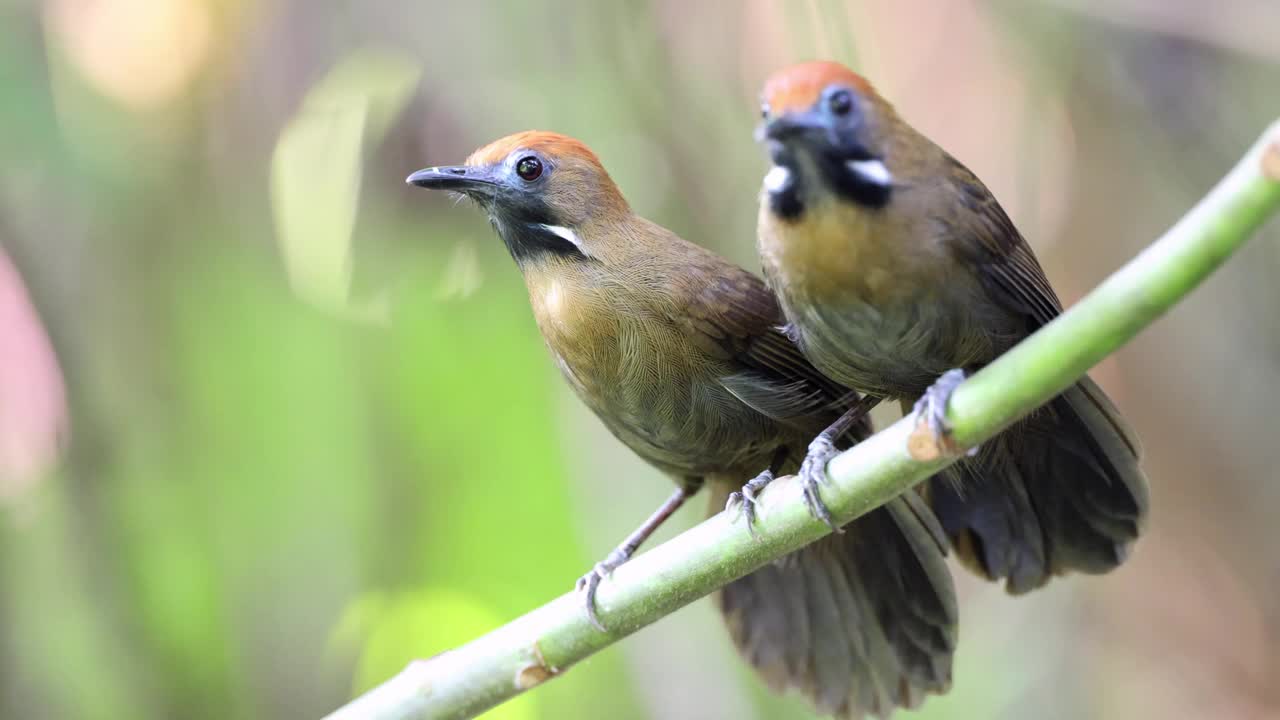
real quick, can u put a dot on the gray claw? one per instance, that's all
(591, 581)
(932, 406)
(746, 498)
(813, 474)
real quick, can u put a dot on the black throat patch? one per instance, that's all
(784, 198)
(528, 241)
(850, 186)
(787, 197)
(520, 225)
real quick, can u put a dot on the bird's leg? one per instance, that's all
(932, 406)
(746, 497)
(813, 471)
(589, 582)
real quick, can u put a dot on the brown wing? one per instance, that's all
(736, 317)
(986, 237)
(1067, 492)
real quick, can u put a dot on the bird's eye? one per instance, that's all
(764, 111)
(840, 102)
(529, 168)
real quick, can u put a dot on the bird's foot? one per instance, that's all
(587, 584)
(813, 473)
(746, 498)
(931, 410)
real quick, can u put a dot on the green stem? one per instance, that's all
(547, 641)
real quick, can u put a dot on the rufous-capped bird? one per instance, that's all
(679, 353)
(899, 273)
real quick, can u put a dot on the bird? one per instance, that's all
(900, 274)
(680, 354)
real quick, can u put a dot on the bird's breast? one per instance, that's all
(834, 253)
(635, 369)
(874, 304)
(580, 331)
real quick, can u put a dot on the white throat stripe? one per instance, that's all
(565, 234)
(873, 172)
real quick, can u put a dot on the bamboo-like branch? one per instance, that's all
(542, 644)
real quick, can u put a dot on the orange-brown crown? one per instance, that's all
(553, 145)
(798, 87)
(580, 189)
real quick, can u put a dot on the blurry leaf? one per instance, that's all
(316, 171)
(315, 183)
(356, 624)
(412, 625)
(383, 81)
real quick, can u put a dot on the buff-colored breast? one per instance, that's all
(638, 370)
(871, 310)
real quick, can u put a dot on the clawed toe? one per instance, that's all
(745, 499)
(813, 474)
(589, 583)
(588, 586)
(742, 502)
(932, 407)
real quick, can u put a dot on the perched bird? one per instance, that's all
(680, 354)
(897, 268)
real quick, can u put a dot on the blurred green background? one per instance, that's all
(272, 423)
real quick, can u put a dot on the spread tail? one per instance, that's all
(1059, 492)
(860, 622)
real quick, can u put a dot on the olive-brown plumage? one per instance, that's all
(679, 353)
(894, 265)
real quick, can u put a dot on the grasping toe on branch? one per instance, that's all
(813, 470)
(746, 497)
(932, 408)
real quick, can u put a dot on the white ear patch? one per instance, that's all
(872, 172)
(776, 179)
(566, 234)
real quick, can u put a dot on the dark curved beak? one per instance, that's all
(474, 181)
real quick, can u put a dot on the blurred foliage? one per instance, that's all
(317, 167)
(267, 503)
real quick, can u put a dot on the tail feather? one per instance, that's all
(992, 523)
(834, 655)
(1060, 492)
(927, 629)
(860, 622)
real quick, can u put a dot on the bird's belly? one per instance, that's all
(688, 439)
(676, 420)
(895, 350)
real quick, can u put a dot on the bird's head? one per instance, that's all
(540, 190)
(828, 133)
